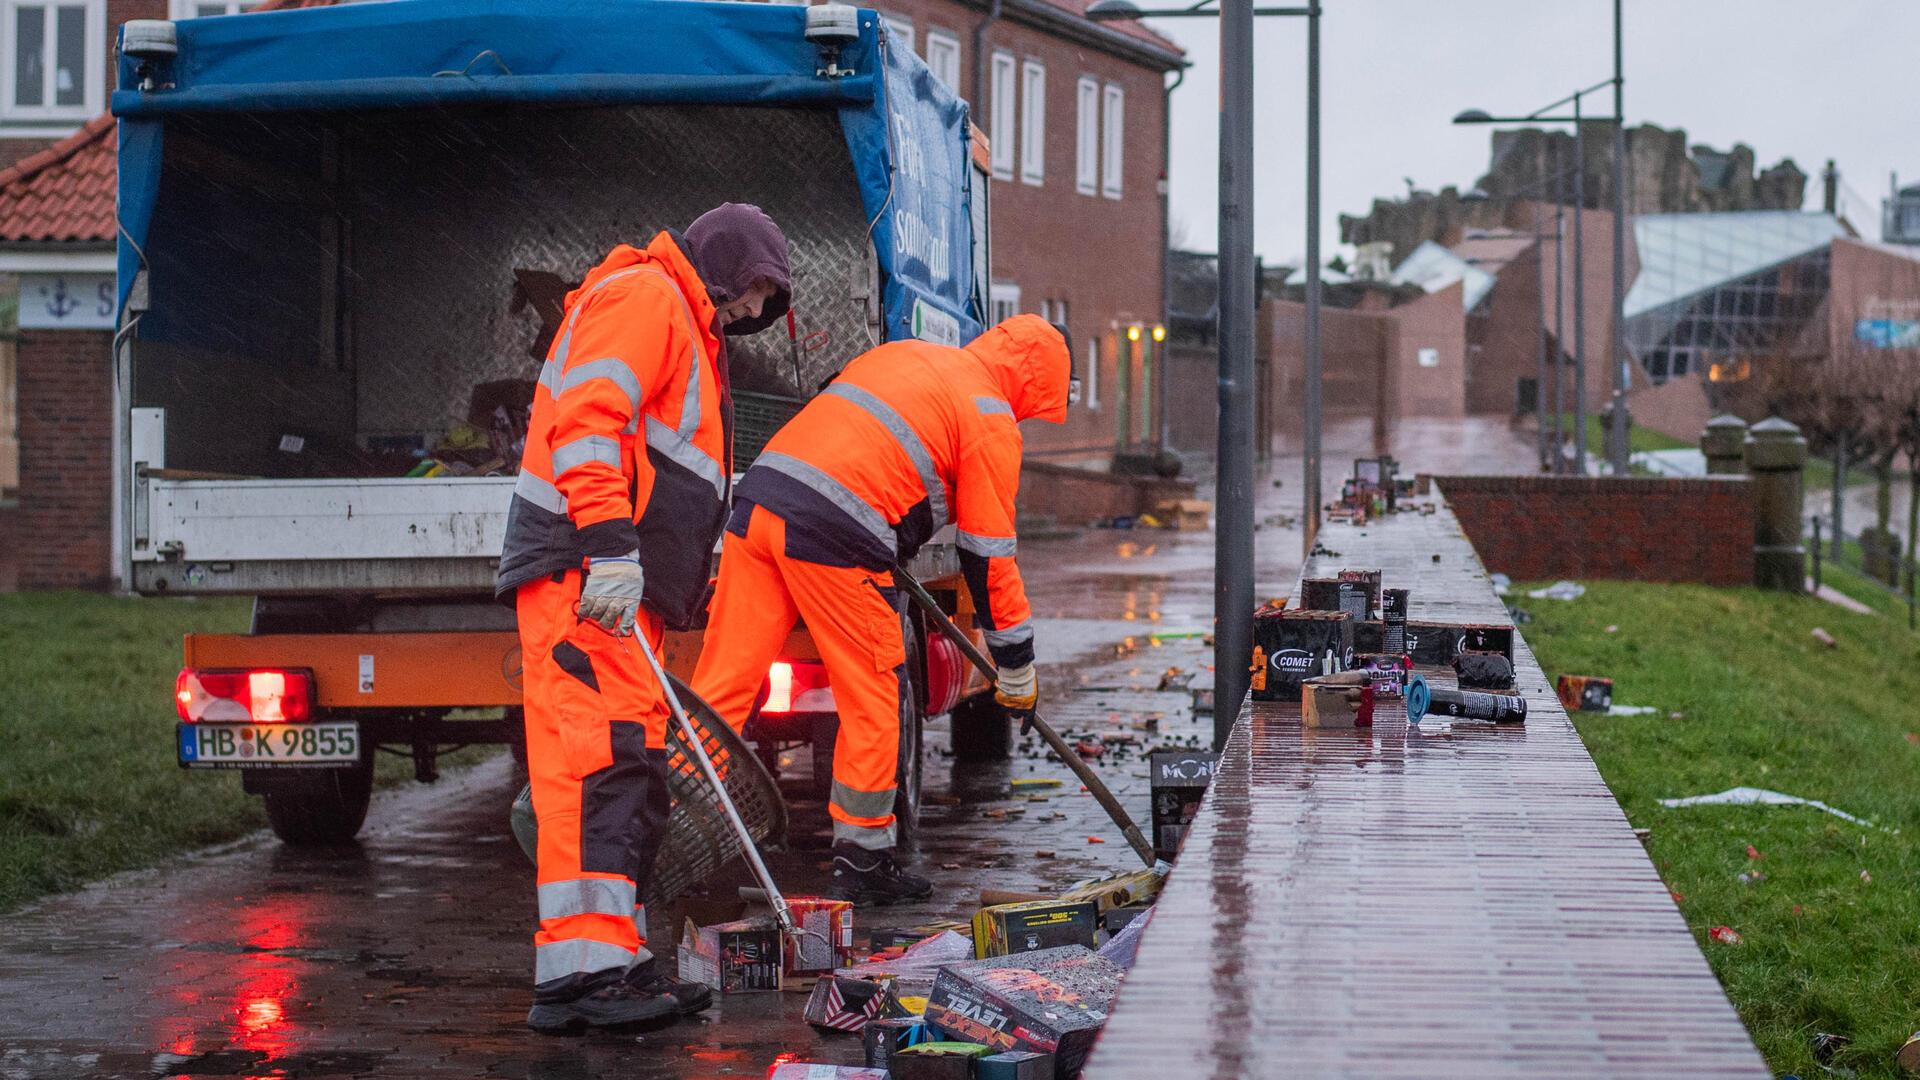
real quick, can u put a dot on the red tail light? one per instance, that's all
(261, 695)
(797, 686)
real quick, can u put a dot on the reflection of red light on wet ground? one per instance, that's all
(259, 1011)
(723, 1055)
(782, 1058)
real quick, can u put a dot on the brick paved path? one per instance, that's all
(1392, 904)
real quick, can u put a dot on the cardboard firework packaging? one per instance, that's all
(1033, 926)
(1436, 644)
(1014, 1065)
(839, 1003)
(1290, 647)
(827, 942)
(807, 1070)
(732, 957)
(888, 1035)
(1176, 781)
(1584, 693)
(1049, 1002)
(937, 1061)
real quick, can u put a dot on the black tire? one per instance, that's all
(911, 769)
(314, 807)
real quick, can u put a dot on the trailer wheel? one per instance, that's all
(911, 768)
(311, 807)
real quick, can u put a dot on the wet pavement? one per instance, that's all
(409, 953)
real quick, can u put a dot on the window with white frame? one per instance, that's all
(902, 28)
(1003, 302)
(1091, 384)
(1086, 156)
(1113, 146)
(197, 9)
(57, 52)
(943, 58)
(1033, 123)
(1002, 106)
(1054, 311)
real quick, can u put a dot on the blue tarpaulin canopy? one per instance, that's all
(906, 132)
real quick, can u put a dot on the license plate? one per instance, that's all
(234, 746)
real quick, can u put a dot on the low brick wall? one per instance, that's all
(1073, 496)
(1546, 527)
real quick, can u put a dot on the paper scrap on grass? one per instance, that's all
(1630, 710)
(1753, 796)
(1560, 590)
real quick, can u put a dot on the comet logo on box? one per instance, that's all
(1293, 661)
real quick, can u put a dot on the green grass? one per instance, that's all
(1763, 705)
(1639, 438)
(88, 780)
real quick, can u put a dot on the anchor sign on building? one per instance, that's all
(66, 301)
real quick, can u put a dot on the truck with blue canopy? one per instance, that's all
(345, 233)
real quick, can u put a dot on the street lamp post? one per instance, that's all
(1539, 116)
(1617, 452)
(1233, 482)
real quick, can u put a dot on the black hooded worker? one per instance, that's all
(622, 495)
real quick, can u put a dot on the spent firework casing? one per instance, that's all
(1320, 594)
(888, 1035)
(1052, 1002)
(1393, 617)
(1032, 926)
(1014, 1065)
(1473, 705)
(1176, 782)
(937, 1061)
(1584, 693)
(1360, 593)
(1295, 645)
(1436, 644)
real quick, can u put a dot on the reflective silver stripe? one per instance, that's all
(577, 956)
(586, 896)
(690, 457)
(863, 803)
(611, 368)
(870, 837)
(570, 456)
(566, 337)
(640, 920)
(908, 439)
(540, 493)
(550, 377)
(690, 403)
(987, 547)
(834, 492)
(991, 405)
(1017, 634)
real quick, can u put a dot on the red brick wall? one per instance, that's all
(1546, 527)
(63, 528)
(1073, 496)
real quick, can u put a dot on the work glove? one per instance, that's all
(1017, 690)
(611, 596)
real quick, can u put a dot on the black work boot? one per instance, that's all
(650, 977)
(615, 1005)
(867, 876)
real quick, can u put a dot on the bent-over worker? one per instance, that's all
(910, 437)
(621, 497)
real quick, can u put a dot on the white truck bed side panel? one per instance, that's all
(244, 520)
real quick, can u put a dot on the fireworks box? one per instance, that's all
(882, 938)
(1050, 1002)
(1032, 926)
(808, 1070)
(1584, 693)
(1014, 1065)
(828, 940)
(1436, 644)
(738, 957)
(839, 1003)
(1176, 781)
(888, 1035)
(1291, 646)
(937, 1061)
(1356, 592)
(1337, 701)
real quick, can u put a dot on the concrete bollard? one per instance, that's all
(1777, 459)
(1724, 444)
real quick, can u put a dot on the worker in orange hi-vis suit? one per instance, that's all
(622, 494)
(910, 437)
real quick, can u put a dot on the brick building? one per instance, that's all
(1076, 112)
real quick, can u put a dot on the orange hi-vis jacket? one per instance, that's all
(911, 437)
(627, 449)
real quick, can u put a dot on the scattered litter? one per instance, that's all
(1913, 738)
(1866, 878)
(1820, 635)
(1029, 782)
(1909, 1056)
(1172, 679)
(1043, 855)
(1631, 710)
(1559, 590)
(1613, 628)
(1825, 1045)
(1519, 616)
(994, 813)
(1501, 583)
(1752, 877)
(1725, 935)
(1676, 716)
(1125, 945)
(1749, 796)
(1754, 852)
(1678, 898)
(1098, 840)
(950, 866)
(1584, 693)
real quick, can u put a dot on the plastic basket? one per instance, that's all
(699, 839)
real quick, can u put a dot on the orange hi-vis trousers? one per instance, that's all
(854, 618)
(596, 753)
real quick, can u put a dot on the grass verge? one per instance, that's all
(88, 780)
(1832, 931)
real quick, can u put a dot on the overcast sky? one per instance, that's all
(1835, 79)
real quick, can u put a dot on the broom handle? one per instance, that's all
(697, 749)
